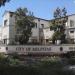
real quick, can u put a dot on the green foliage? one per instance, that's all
(70, 57)
(2, 59)
(2, 2)
(56, 35)
(24, 25)
(9, 65)
(22, 70)
(9, 59)
(53, 66)
(58, 13)
(13, 61)
(2, 55)
(58, 25)
(71, 61)
(59, 36)
(14, 55)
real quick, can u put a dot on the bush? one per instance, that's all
(47, 66)
(71, 61)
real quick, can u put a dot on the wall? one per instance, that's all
(5, 29)
(6, 16)
(0, 33)
(37, 32)
(21, 49)
(12, 28)
(5, 33)
(8, 32)
(3, 49)
(69, 28)
(48, 33)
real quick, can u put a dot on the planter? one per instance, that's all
(58, 42)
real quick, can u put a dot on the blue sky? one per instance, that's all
(41, 8)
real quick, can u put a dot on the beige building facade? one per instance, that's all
(41, 33)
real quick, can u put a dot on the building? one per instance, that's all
(8, 30)
(41, 33)
(69, 29)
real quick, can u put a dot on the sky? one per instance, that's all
(41, 8)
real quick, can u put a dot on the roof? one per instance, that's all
(71, 15)
(41, 19)
(63, 17)
(7, 12)
(38, 17)
(34, 17)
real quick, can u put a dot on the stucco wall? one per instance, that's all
(69, 28)
(48, 33)
(21, 49)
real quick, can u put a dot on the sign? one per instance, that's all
(34, 49)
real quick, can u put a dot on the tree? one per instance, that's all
(24, 24)
(2, 2)
(58, 25)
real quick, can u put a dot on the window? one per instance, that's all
(71, 23)
(47, 40)
(11, 15)
(35, 25)
(71, 31)
(5, 41)
(5, 22)
(42, 25)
